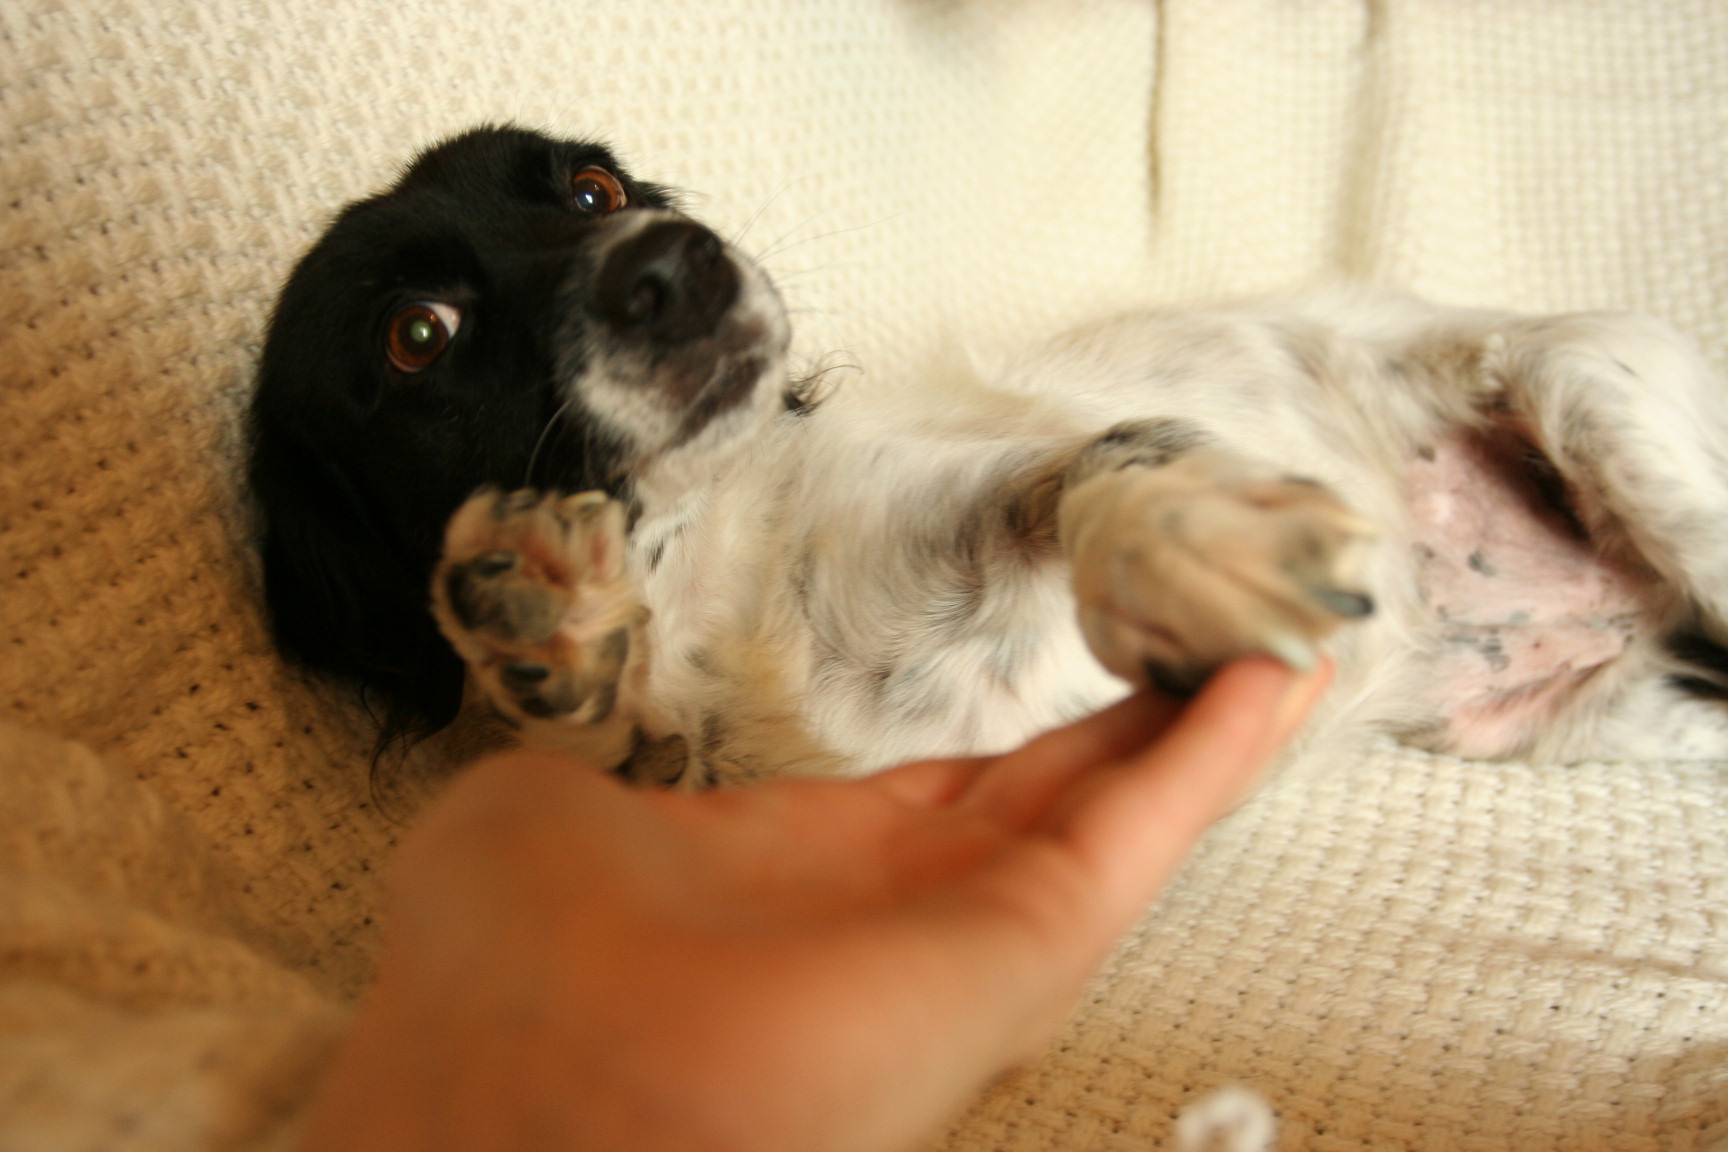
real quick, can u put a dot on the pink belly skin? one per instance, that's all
(1526, 608)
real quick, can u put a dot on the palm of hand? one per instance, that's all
(806, 964)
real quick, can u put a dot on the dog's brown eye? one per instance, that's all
(596, 192)
(419, 333)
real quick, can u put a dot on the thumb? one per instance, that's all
(1131, 825)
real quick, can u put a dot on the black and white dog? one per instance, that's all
(1528, 516)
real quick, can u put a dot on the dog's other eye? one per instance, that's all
(596, 192)
(419, 333)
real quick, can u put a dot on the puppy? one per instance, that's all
(521, 384)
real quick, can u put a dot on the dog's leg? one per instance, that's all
(1635, 424)
(1186, 555)
(1568, 519)
(533, 593)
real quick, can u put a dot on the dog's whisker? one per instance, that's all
(534, 456)
(782, 277)
(773, 247)
(738, 237)
(784, 244)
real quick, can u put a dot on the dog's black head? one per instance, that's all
(516, 311)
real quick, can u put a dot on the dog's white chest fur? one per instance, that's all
(778, 600)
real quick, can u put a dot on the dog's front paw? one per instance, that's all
(1181, 568)
(533, 593)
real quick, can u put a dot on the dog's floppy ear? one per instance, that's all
(343, 596)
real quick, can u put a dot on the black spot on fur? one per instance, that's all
(1138, 443)
(803, 574)
(713, 736)
(1707, 660)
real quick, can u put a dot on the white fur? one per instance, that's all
(813, 607)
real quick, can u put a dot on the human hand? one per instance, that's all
(804, 965)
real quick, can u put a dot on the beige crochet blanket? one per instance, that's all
(1398, 951)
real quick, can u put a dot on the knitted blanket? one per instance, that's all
(1395, 950)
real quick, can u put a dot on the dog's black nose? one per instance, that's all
(671, 282)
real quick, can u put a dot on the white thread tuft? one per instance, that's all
(1232, 1119)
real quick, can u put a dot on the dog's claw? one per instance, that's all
(1182, 568)
(1294, 651)
(1342, 602)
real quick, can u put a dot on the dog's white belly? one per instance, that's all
(949, 699)
(964, 698)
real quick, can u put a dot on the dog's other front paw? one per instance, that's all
(1181, 568)
(533, 593)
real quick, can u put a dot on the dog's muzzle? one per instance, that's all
(676, 335)
(670, 283)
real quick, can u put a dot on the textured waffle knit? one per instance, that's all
(1395, 950)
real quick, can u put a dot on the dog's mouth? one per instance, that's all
(733, 383)
(682, 338)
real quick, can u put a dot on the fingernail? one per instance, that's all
(1298, 700)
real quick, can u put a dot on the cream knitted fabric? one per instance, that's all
(1396, 950)
(133, 1014)
(1405, 951)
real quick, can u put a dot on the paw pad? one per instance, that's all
(533, 593)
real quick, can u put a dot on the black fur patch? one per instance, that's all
(1708, 674)
(1137, 444)
(357, 464)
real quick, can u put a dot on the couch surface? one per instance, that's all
(1396, 950)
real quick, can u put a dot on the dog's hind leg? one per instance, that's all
(1569, 529)
(1635, 426)
(533, 593)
